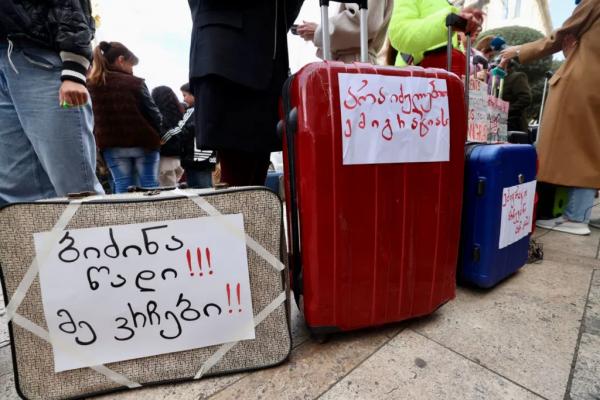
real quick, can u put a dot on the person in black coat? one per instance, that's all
(238, 64)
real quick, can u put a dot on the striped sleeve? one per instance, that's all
(203, 155)
(177, 130)
(74, 67)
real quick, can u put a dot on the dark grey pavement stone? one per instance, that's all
(585, 377)
(5, 361)
(7, 388)
(3, 326)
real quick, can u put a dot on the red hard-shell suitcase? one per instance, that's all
(369, 244)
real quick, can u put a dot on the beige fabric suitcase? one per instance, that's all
(32, 353)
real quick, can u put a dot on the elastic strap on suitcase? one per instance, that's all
(33, 269)
(224, 349)
(250, 242)
(44, 335)
(258, 249)
(61, 224)
(27, 281)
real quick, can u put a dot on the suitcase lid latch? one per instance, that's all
(480, 187)
(80, 195)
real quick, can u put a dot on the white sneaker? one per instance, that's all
(563, 225)
(550, 223)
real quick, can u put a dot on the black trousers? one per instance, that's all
(233, 117)
(244, 169)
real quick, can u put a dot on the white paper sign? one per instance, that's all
(517, 213)
(498, 110)
(479, 119)
(393, 119)
(129, 291)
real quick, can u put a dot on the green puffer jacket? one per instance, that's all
(418, 26)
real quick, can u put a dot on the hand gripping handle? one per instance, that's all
(361, 3)
(364, 35)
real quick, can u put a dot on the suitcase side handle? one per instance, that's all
(361, 3)
(289, 127)
(150, 191)
(364, 34)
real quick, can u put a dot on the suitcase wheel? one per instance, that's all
(320, 338)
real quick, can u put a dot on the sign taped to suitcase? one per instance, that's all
(261, 236)
(393, 119)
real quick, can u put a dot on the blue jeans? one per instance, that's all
(131, 166)
(199, 179)
(580, 203)
(45, 150)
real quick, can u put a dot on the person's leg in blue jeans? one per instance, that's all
(120, 163)
(579, 205)
(45, 150)
(577, 213)
(22, 177)
(146, 166)
(199, 179)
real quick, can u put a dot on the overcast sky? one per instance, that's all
(561, 10)
(159, 32)
(156, 31)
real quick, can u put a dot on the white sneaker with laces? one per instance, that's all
(561, 224)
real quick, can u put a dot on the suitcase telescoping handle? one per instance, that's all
(450, 23)
(449, 48)
(548, 76)
(498, 75)
(364, 35)
(468, 74)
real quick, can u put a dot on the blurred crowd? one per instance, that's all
(50, 131)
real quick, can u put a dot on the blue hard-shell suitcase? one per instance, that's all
(274, 182)
(490, 168)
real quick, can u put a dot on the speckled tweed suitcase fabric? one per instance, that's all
(32, 356)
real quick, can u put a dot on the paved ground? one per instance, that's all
(535, 336)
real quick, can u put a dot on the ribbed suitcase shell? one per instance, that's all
(498, 166)
(379, 243)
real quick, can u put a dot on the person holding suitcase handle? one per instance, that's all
(344, 31)
(569, 146)
(418, 30)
